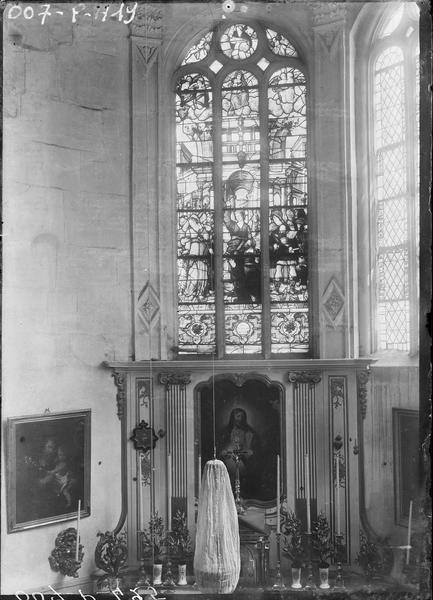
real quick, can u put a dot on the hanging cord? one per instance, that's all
(213, 405)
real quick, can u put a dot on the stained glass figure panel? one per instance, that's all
(195, 216)
(242, 159)
(241, 201)
(289, 328)
(288, 183)
(239, 41)
(194, 120)
(195, 257)
(199, 51)
(279, 44)
(243, 329)
(287, 114)
(288, 212)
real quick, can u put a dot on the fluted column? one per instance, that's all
(177, 434)
(304, 412)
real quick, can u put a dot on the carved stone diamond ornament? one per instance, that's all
(148, 305)
(333, 303)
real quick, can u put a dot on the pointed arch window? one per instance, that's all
(395, 120)
(242, 197)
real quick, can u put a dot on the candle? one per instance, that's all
(307, 492)
(337, 483)
(409, 531)
(199, 474)
(278, 493)
(140, 495)
(169, 492)
(77, 545)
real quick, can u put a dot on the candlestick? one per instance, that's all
(169, 492)
(199, 474)
(278, 494)
(307, 492)
(337, 492)
(409, 531)
(279, 584)
(77, 545)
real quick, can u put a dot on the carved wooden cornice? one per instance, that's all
(120, 383)
(180, 379)
(361, 381)
(310, 377)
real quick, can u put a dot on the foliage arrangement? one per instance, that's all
(179, 540)
(153, 538)
(111, 552)
(369, 557)
(321, 540)
(293, 545)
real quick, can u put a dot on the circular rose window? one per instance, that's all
(239, 41)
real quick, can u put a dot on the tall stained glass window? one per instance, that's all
(395, 138)
(242, 196)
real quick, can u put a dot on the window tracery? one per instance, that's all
(242, 195)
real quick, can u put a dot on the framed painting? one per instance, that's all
(248, 434)
(48, 468)
(406, 456)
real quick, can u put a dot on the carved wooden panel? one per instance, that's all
(339, 451)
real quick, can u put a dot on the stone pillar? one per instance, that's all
(330, 231)
(304, 413)
(177, 437)
(146, 40)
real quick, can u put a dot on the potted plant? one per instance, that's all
(294, 547)
(369, 558)
(323, 547)
(111, 553)
(179, 545)
(153, 545)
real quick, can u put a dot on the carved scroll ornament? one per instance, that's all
(310, 377)
(180, 379)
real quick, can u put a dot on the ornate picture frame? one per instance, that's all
(48, 468)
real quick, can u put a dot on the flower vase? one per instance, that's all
(296, 578)
(182, 575)
(324, 578)
(157, 574)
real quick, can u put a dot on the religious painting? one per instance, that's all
(48, 468)
(406, 456)
(248, 432)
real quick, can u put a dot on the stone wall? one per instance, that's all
(66, 253)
